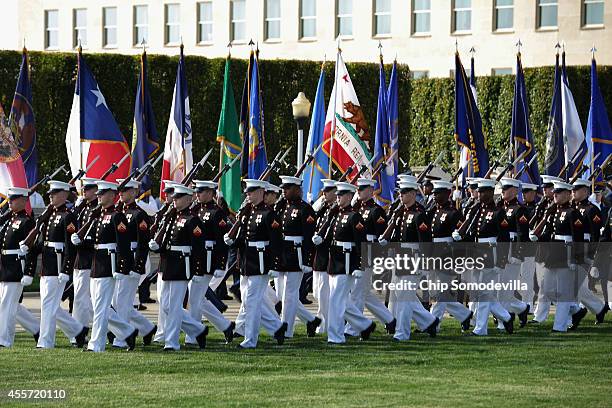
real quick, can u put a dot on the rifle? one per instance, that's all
(525, 168)
(272, 166)
(141, 173)
(511, 165)
(310, 157)
(429, 168)
(383, 165)
(601, 167)
(226, 168)
(566, 165)
(582, 169)
(362, 169)
(82, 172)
(113, 168)
(492, 168)
(38, 183)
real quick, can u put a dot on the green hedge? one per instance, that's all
(426, 105)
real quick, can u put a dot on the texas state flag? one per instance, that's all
(93, 131)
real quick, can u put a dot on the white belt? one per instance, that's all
(513, 235)
(209, 245)
(564, 238)
(58, 246)
(491, 240)
(133, 245)
(443, 239)
(371, 237)
(260, 246)
(297, 241)
(186, 251)
(587, 236)
(346, 247)
(410, 245)
(110, 246)
(11, 252)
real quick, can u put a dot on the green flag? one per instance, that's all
(229, 137)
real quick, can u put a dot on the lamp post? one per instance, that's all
(301, 111)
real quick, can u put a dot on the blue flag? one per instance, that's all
(22, 123)
(385, 182)
(317, 169)
(555, 159)
(244, 118)
(145, 140)
(598, 132)
(257, 146)
(521, 138)
(393, 111)
(468, 123)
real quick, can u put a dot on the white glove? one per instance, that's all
(74, 238)
(134, 275)
(119, 276)
(153, 246)
(358, 273)
(573, 267)
(23, 248)
(382, 241)
(456, 195)
(513, 260)
(197, 278)
(306, 269)
(26, 280)
(219, 273)
(228, 241)
(273, 274)
(533, 237)
(593, 200)
(63, 278)
(594, 272)
(317, 239)
(456, 236)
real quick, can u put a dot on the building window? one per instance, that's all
(205, 22)
(238, 20)
(462, 15)
(51, 29)
(421, 16)
(419, 74)
(501, 71)
(504, 14)
(547, 13)
(592, 12)
(382, 17)
(308, 18)
(141, 25)
(173, 24)
(273, 20)
(344, 19)
(109, 20)
(79, 22)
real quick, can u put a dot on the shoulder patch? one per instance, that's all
(310, 219)
(275, 224)
(359, 226)
(121, 227)
(143, 226)
(71, 228)
(197, 231)
(380, 220)
(423, 227)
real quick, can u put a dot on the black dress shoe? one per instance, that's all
(201, 339)
(131, 340)
(306, 301)
(279, 307)
(86, 350)
(279, 335)
(240, 347)
(81, 337)
(147, 338)
(509, 325)
(36, 336)
(229, 333)
(577, 318)
(427, 306)
(523, 317)
(365, 335)
(238, 335)
(311, 327)
(557, 331)
(111, 337)
(390, 327)
(169, 349)
(599, 317)
(333, 343)
(465, 325)
(140, 307)
(236, 292)
(149, 300)
(432, 329)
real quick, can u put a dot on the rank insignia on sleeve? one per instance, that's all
(504, 223)
(275, 224)
(359, 226)
(121, 227)
(71, 228)
(578, 223)
(222, 223)
(143, 225)
(197, 232)
(380, 220)
(423, 227)
(596, 219)
(310, 220)
(523, 220)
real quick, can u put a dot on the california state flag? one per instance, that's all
(345, 120)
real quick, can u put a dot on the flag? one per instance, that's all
(464, 156)
(555, 159)
(12, 171)
(145, 141)
(393, 112)
(92, 129)
(575, 142)
(385, 181)
(22, 123)
(178, 158)
(521, 138)
(598, 131)
(228, 134)
(244, 118)
(347, 151)
(468, 123)
(257, 145)
(317, 169)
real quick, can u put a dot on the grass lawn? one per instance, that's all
(530, 368)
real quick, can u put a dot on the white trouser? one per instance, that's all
(270, 320)
(105, 318)
(455, 309)
(270, 296)
(320, 282)
(27, 320)
(363, 297)
(527, 274)
(588, 298)
(177, 318)
(199, 305)
(292, 306)
(542, 309)
(340, 309)
(9, 299)
(123, 303)
(82, 309)
(215, 282)
(488, 303)
(506, 297)
(161, 316)
(408, 307)
(51, 313)
(252, 302)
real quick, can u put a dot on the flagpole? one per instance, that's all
(333, 132)
(184, 152)
(592, 165)
(80, 50)
(222, 146)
